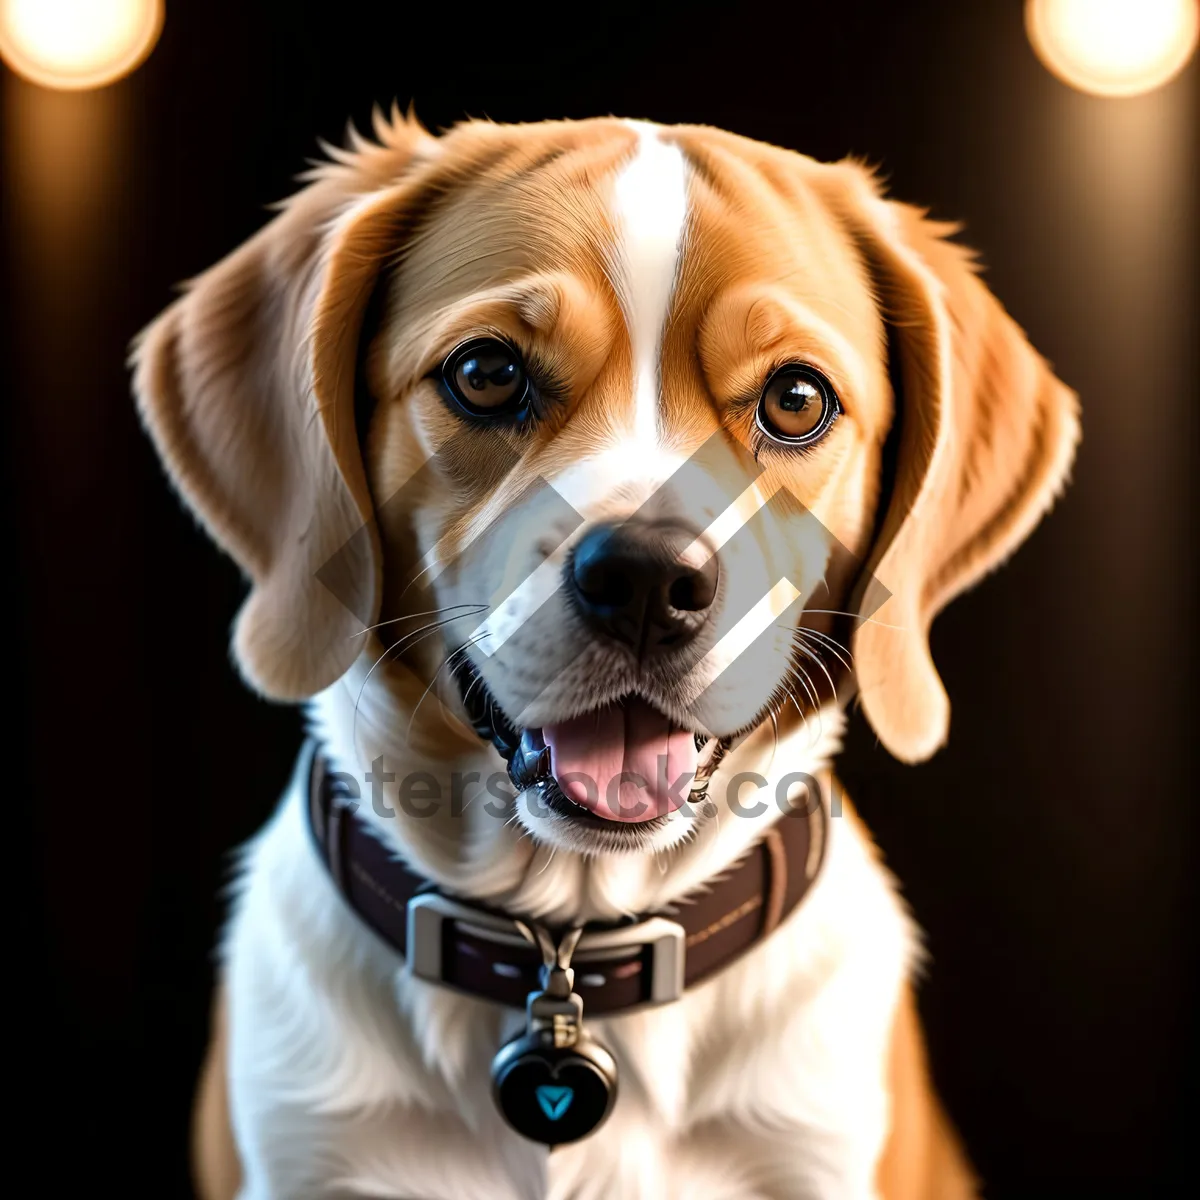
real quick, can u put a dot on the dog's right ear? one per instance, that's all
(246, 385)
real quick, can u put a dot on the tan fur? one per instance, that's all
(216, 1171)
(987, 437)
(241, 384)
(923, 1158)
(246, 385)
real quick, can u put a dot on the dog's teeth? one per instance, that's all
(708, 752)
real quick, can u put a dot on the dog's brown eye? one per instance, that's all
(486, 378)
(797, 407)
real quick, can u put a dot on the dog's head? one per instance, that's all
(635, 436)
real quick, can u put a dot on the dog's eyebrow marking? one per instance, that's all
(650, 204)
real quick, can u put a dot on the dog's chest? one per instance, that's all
(729, 1093)
(768, 1080)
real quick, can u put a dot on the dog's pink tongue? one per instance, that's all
(623, 762)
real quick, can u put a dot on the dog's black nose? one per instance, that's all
(627, 580)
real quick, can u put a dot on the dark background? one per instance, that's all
(1046, 851)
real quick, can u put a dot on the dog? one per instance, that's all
(589, 456)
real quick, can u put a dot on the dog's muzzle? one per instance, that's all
(528, 758)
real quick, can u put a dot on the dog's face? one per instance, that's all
(646, 418)
(644, 422)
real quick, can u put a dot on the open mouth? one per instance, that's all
(624, 764)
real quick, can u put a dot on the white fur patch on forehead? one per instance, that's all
(650, 206)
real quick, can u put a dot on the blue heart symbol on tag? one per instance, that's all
(554, 1099)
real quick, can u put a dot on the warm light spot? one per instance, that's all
(1113, 47)
(77, 43)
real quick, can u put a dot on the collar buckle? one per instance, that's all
(430, 915)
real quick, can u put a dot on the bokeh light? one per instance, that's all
(1113, 47)
(74, 44)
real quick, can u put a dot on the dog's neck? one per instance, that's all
(456, 840)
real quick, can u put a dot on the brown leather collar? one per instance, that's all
(476, 949)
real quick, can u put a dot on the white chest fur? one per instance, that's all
(348, 1077)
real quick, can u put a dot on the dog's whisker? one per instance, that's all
(430, 685)
(804, 717)
(820, 730)
(827, 640)
(412, 638)
(824, 641)
(419, 576)
(810, 690)
(840, 612)
(820, 663)
(452, 722)
(475, 683)
(843, 653)
(805, 682)
(433, 612)
(802, 677)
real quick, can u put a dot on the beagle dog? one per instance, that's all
(581, 473)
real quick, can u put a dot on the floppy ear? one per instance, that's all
(246, 385)
(986, 438)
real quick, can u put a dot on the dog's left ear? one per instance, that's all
(246, 385)
(987, 435)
